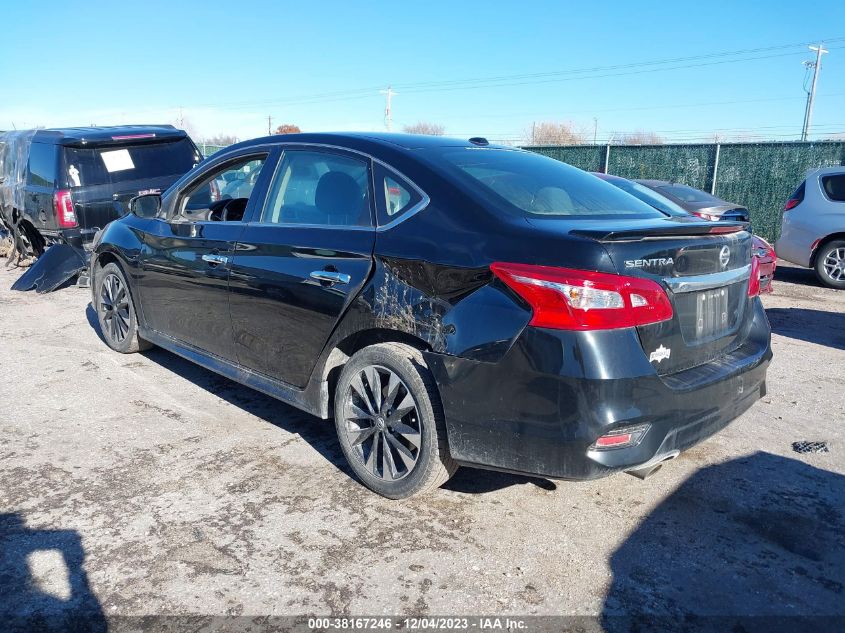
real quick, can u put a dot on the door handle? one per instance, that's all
(214, 260)
(331, 277)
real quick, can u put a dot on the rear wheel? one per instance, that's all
(830, 264)
(390, 421)
(116, 312)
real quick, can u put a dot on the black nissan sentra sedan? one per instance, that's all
(447, 302)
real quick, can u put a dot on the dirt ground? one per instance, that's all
(144, 485)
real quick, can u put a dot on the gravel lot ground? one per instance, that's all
(141, 484)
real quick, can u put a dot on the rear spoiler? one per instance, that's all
(128, 139)
(681, 230)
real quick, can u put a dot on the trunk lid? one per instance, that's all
(705, 269)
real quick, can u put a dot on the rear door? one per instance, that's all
(301, 261)
(185, 259)
(102, 179)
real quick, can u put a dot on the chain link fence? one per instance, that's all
(760, 176)
(207, 150)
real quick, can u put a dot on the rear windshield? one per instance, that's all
(649, 196)
(528, 184)
(113, 164)
(688, 194)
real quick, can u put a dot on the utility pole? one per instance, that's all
(269, 125)
(595, 129)
(388, 119)
(811, 94)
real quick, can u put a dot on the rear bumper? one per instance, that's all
(541, 408)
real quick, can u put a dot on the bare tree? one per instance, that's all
(552, 133)
(222, 139)
(641, 137)
(287, 128)
(424, 127)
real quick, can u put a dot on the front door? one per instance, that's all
(184, 263)
(301, 261)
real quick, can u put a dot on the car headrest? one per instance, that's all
(338, 196)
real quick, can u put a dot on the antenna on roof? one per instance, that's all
(479, 140)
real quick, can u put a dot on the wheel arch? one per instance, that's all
(823, 242)
(344, 349)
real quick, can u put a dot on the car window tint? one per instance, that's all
(42, 164)
(689, 194)
(319, 188)
(113, 164)
(396, 196)
(223, 195)
(834, 187)
(530, 184)
(649, 196)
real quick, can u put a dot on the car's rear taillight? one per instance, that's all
(791, 204)
(214, 191)
(566, 299)
(64, 209)
(754, 280)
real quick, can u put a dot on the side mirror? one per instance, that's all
(145, 206)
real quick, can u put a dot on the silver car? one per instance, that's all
(813, 230)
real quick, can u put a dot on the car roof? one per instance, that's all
(825, 171)
(370, 140)
(604, 176)
(653, 183)
(82, 135)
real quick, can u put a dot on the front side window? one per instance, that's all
(42, 164)
(834, 187)
(223, 194)
(532, 185)
(319, 188)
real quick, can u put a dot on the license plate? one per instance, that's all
(711, 312)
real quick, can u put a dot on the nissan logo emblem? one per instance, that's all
(724, 256)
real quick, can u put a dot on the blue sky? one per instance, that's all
(320, 65)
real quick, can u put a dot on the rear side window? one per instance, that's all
(113, 164)
(834, 187)
(524, 183)
(42, 164)
(396, 196)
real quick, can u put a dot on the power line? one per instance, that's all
(529, 78)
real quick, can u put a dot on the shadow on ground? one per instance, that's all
(320, 434)
(813, 326)
(797, 275)
(738, 546)
(43, 584)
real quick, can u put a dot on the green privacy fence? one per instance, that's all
(759, 176)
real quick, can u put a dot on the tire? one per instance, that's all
(411, 454)
(116, 311)
(830, 264)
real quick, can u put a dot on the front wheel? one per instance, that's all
(116, 312)
(830, 264)
(390, 422)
